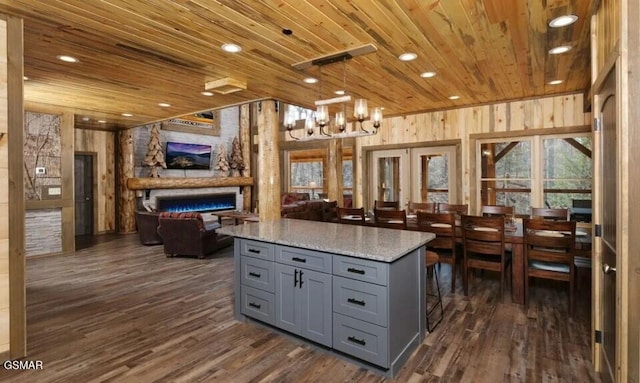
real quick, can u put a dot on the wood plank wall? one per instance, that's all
(13, 322)
(101, 144)
(459, 124)
(607, 24)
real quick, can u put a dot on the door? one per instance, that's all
(433, 172)
(608, 207)
(83, 193)
(390, 176)
(287, 298)
(317, 310)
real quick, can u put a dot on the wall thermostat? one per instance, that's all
(41, 170)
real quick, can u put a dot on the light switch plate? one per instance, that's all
(41, 170)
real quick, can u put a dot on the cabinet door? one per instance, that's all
(316, 307)
(287, 299)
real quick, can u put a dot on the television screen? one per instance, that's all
(188, 156)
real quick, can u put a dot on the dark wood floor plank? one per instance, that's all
(122, 312)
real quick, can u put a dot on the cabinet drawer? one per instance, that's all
(361, 339)
(258, 273)
(362, 300)
(257, 249)
(360, 269)
(257, 304)
(306, 259)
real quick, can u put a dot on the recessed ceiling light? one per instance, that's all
(454, 97)
(67, 59)
(127, 115)
(339, 92)
(427, 74)
(560, 49)
(407, 56)
(206, 93)
(85, 118)
(164, 104)
(102, 121)
(231, 48)
(310, 80)
(25, 78)
(555, 82)
(563, 21)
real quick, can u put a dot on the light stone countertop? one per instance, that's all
(367, 242)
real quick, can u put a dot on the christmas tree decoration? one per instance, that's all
(155, 155)
(222, 163)
(237, 162)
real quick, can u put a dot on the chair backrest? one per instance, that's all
(350, 216)
(483, 235)
(387, 205)
(552, 214)
(549, 241)
(392, 219)
(443, 225)
(428, 207)
(453, 208)
(495, 210)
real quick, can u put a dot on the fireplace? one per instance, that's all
(198, 202)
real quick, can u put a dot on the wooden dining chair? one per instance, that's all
(387, 205)
(391, 219)
(443, 225)
(428, 207)
(548, 253)
(483, 241)
(350, 216)
(552, 214)
(453, 208)
(496, 210)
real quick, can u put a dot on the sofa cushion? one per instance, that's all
(186, 216)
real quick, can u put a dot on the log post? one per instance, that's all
(268, 162)
(245, 141)
(126, 197)
(334, 174)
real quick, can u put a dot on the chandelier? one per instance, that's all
(320, 118)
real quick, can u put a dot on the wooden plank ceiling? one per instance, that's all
(135, 54)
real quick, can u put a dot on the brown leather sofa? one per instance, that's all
(147, 223)
(313, 210)
(187, 234)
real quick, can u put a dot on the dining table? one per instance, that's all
(514, 241)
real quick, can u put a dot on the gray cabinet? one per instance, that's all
(367, 309)
(303, 303)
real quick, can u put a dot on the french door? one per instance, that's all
(426, 174)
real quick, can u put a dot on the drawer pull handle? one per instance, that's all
(356, 301)
(255, 251)
(255, 305)
(257, 275)
(353, 339)
(356, 271)
(302, 260)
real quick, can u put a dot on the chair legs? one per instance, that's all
(431, 325)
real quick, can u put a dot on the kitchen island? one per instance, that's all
(359, 291)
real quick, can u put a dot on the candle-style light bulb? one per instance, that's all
(340, 121)
(360, 110)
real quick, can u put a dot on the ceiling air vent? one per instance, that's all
(225, 85)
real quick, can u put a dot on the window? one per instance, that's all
(307, 168)
(539, 171)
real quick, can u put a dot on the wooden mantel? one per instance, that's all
(186, 183)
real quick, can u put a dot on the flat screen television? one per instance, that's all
(188, 156)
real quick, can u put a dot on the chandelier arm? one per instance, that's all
(292, 136)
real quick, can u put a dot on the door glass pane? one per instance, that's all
(434, 178)
(388, 179)
(567, 171)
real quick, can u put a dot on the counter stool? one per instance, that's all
(431, 259)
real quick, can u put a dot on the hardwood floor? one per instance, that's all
(122, 312)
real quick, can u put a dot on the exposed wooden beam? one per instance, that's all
(505, 151)
(584, 150)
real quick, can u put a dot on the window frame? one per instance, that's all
(537, 161)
